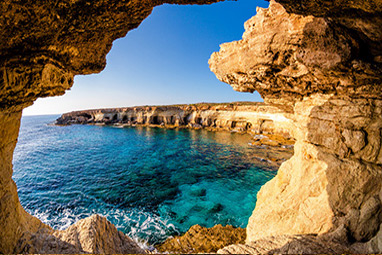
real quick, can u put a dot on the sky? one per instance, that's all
(164, 61)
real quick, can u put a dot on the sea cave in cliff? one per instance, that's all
(300, 172)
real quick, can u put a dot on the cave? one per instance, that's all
(115, 118)
(186, 119)
(155, 120)
(86, 115)
(321, 60)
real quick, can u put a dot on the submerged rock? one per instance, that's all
(43, 45)
(321, 58)
(328, 69)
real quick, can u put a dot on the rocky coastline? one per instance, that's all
(322, 60)
(268, 125)
(251, 117)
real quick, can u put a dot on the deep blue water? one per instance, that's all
(149, 182)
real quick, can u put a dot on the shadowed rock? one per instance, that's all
(322, 58)
(203, 240)
(43, 44)
(327, 67)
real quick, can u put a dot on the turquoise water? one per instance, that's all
(150, 182)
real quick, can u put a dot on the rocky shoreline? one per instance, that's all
(268, 125)
(251, 117)
(322, 59)
(199, 239)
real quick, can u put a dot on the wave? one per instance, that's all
(145, 228)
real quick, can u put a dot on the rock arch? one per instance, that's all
(327, 68)
(320, 58)
(43, 44)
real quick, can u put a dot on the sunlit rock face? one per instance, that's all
(94, 234)
(254, 118)
(323, 58)
(43, 44)
(288, 56)
(327, 67)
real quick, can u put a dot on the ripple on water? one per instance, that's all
(151, 183)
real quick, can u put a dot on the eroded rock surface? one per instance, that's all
(322, 58)
(199, 239)
(91, 235)
(270, 127)
(43, 44)
(241, 117)
(284, 244)
(328, 68)
(334, 178)
(287, 56)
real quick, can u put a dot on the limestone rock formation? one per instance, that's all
(270, 127)
(334, 178)
(241, 117)
(22, 233)
(322, 58)
(327, 67)
(203, 240)
(91, 235)
(284, 244)
(14, 220)
(287, 56)
(43, 44)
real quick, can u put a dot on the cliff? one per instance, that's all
(323, 59)
(242, 117)
(43, 44)
(320, 58)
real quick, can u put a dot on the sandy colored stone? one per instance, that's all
(321, 58)
(285, 244)
(331, 185)
(43, 44)
(199, 239)
(238, 117)
(91, 235)
(14, 221)
(286, 56)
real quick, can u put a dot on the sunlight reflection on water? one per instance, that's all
(150, 182)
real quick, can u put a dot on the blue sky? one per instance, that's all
(164, 61)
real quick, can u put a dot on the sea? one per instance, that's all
(151, 183)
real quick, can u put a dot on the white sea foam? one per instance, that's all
(139, 225)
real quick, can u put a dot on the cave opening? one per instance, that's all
(339, 144)
(199, 120)
(155, 120)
